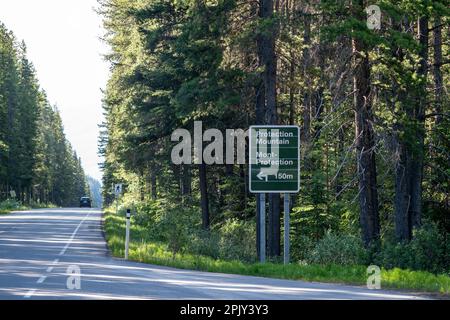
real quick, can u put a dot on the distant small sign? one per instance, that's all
(118, 189)
(13, 194)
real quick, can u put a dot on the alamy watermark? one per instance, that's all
(213, 153)
(74, 277)
(374, 277)
(208, 147)
(373, 17)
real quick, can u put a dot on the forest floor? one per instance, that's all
(143, 249)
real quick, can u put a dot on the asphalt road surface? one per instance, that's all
(42, 252)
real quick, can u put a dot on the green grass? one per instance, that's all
(143, 250)
(12, 205)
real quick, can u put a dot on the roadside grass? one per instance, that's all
(142, 249)
(12, 205)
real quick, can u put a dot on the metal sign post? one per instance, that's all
(286, 227)
(262, 228)
(274, 168)
(127, 233)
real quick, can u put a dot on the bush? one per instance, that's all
(428, 250)
(149, 212)
(176, 227)
(301, 248)
(205, 243)
(238, 240)
(10, 204)
(338, 249)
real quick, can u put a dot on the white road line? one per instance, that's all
(42, 279)
(30, 293)
(73, 235)
(54, 263)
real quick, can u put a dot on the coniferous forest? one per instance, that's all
(37, 163)
(372, 105)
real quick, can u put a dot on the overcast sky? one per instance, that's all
(62, 37)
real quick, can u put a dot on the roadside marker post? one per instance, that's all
(274, 167)
(127, 233)
(117, 204)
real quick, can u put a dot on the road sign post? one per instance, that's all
(262, 228)
(274, 168)
(127, 233)
(286, 227)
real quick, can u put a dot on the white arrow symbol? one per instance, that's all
(261, 175)
(266, 172)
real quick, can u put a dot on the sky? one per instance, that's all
(63, 43)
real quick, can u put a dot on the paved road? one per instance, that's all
(37, 247)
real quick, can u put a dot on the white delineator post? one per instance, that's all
(127, 233)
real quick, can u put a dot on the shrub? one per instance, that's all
(205, 243)
(301, 248)
(237, 240)
(147, 213)
(428, 250)
(338, 249)
(176, 227)
(10, 204)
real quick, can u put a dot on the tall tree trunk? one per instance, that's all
(260, 118)
(438, 81)
(306, 130)
(292, 92)
(402, 167)
(186, 180)
(365, 144)
(270, 63)
(204, 195)
(293, 88)
(243, 186)
(141, 185)
(341, 156)
(153, 183)
(417, 171)
(274, 225)
(410, 153)
(270, 81)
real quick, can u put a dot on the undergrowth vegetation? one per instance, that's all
(168, 233)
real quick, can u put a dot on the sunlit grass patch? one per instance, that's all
(10, 205)
(416, 280)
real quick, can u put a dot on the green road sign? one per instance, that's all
(274, 159)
